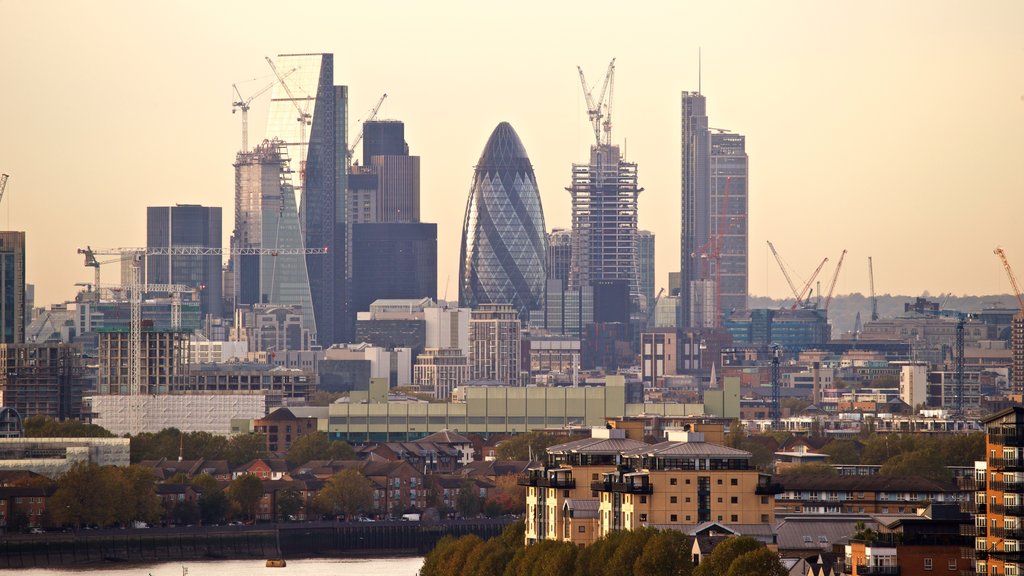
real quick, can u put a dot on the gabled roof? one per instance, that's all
(1016, 411)
(582, 508)
(495, 468)
(446, 437)
(279, 414)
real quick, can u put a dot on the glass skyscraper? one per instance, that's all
(504, 243)
(12, 287)
(316, 146)
(266, 217)
(187, 226)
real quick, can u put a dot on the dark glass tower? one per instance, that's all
(394, 261)
(187, 226)
(12, 287)
(504, 244)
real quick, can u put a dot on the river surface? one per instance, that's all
(309, 567)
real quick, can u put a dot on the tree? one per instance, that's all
(289, 502)
(87, 494)
(507, 497)
(348, 492)
(244, 448)
(45, 427)
(925, 463)
(468, 504)
(214, 507)
(186, 513)
(815, 469)
(316, 446)
(532, 444)
(667, 553)
(246, 491)
(760, 562)
(139, 501)
(842, 452)
(718, 562)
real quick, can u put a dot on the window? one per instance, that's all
(734, 482)
(719, 481)
(643, 517)
(687, 499)
(734, 500)
(951, 564)
(672, 481)
(643, 499)
(734, 518)
(673, 500)
(927, 563)
(764, 499)
(673, 518)
(582, 529)
(719, 500)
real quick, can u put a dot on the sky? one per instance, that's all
(890, 129)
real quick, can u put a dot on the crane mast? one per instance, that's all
(600, 112)
(243, 105)
(784, 272)
(835, 276)
(807, 287)
(1013, 278)
(874, 300)
(303, 120)
(3, 185)
(369, 118)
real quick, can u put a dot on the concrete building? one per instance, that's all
(398, 174)
(439, 371)
(42, 379)
(52, 457)
(659, 356)
(272, 328)
(13, 313)
(249, 377)
(315, 148)
(163, 366)
(551, 359)
(187, 226)
(447, 327)
(215, 351)
(495, 344)
(794, 330)
(559, 255)
(211, 413)
(914, 384)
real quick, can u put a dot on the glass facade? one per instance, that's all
(728, 218)
(504, 244)
(12, 287)
(393, 261)
(186, 226)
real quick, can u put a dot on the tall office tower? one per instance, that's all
(559, 255)
(696, 149)
(604, 212)
(729, 210)
(187, 226)
(309, 114)
(386, 154)
(495, 343)
(645, 264)
(12, 287)
(504, 244)
(393, 261)
(266, 217)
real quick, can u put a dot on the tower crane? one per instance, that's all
(303, 120)
(784, 272)
(243, 105)
(800, 301)
(805, 293)
(874, 300)
(369, 118)
(3, 185)
(599, 111)
(1013, 278)
(835, 276)
(654, 306)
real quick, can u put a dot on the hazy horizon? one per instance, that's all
(890, 130)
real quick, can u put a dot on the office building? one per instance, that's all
(696, 211)
(604, 220)
(393, 324)
(559, 255)
(12, 287)
(43, 379)
(794, 330)
(645, 266)
(310, 117)
(495, 344)
(728, 221)
(565, 311)
(187, 226)
(504, 241)
(438, 371)
(386, 153)
(393, 261)
(660, 353)
(272, 328)
(447, 327)
(266, 217)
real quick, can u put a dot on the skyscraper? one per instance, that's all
(645, 265)
(12, 287)
(504, 244)
(729, 219)
(560, 255)
(187, 226)
(266, 217)
(695, 191)
(495, 343)
(309, 114)
(386, 154)
(393, 261)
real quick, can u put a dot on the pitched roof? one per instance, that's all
(697, 449)
(597, 446)
(446, 437)
(280, 414)
(817, 533)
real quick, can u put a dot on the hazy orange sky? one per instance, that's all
(892, 129)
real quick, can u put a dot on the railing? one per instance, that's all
(547, 482)
(866, 570)
(1003, 486)
(1016, 440)
(1008, 510)
(1011, 533)
(771, 488)
(622, 487)
(1007, 463)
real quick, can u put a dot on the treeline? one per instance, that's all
(170, 443)
(646, 552)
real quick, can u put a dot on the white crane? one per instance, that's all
(599, 111)
(243, 105)
(303, 120)
(369, 118)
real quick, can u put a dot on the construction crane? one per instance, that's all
(599, 111)
(835, 276)
(712, 249)
(874, 300)
(805, 295)
(3, 185)
(303, 120)
(784, 272)
(654, 306)
(369, 118)
(243, 105)
(1013, 278)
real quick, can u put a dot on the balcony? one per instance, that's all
(1016, 486)
(865, 570)
(1007, 533)
(622, 487)
(769, 489)
(561, 479)
(1013, 440)
(1007, 510)
(1012, 464)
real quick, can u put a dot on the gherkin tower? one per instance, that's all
(504, 244)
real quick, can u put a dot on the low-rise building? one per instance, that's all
(53, 457)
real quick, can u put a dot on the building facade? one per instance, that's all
(645, 266)
(504, 242)
(495, 343)
(187, 226)
(163, 367)
(559, 255)
(12, 288)
(439, 371)
(695, 176)
(42, 379)
(393, 261)
(728, 221)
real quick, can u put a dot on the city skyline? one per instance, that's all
(881, 133)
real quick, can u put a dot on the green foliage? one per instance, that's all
(246, 491)
(522, 446)
(667, 553)
(46, 427)
(720, 560)
(348, 492)
(316, 446)
(815, 469)
(926, 463)
(169, 442)
(842, 452)
(104, 495)
(323, 398)
(138, 500)
(214, 507)
(760, 562)
(289, 502)
(244, 448)
(468, 504)
(186, 513)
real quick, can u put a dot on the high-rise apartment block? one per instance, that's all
(42, 379)
(187, 226)
(504, 241)
(1017, 345)
(12, 287)
(695, 169)
(310, 118)
(163, 366)
(438, 371)
(266, 217)
(728, 222)
(495, 342)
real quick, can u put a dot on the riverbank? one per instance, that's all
(290, 540)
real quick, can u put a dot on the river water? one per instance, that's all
(309, 567)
